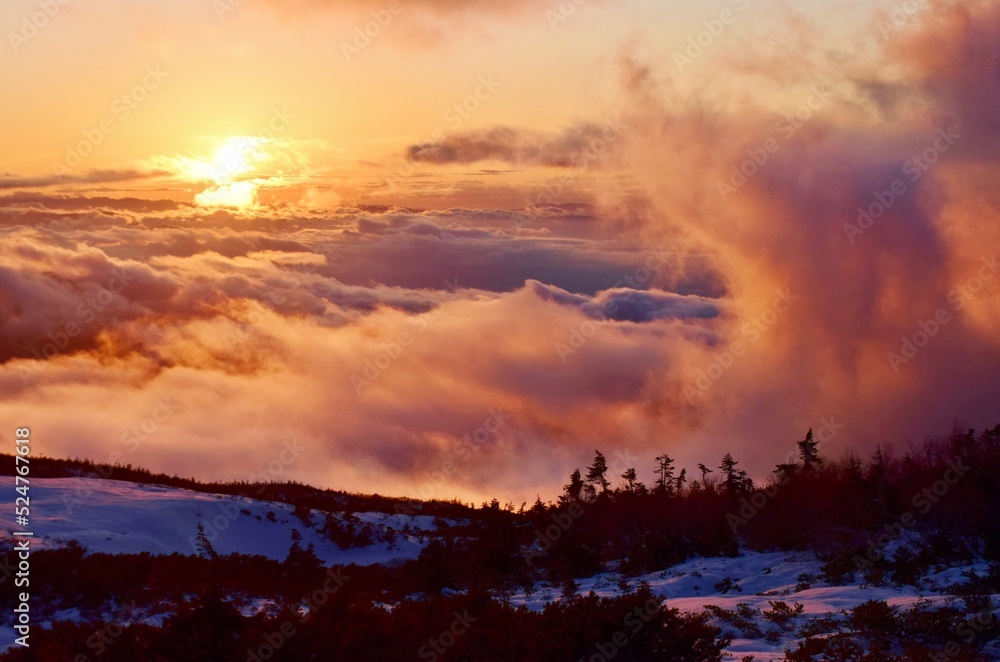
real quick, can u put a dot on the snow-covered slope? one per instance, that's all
(122, 517)
(758, 579)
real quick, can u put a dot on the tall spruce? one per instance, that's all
(809, 451)
(597, 473)
(664, 474)
(735, 480)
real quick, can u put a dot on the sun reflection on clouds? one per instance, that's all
(232, 172)
(238, 194)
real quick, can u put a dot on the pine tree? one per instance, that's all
(854, 466)
(597, 473)
(681, 479)
(574, 490)
(809, 451)
(203, 544)
(664, 474)
(630, 477)
(786, 471)
(735, 480)
(880, 463)
(304, 559)
(704, 475)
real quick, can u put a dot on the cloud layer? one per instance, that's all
(384, 342)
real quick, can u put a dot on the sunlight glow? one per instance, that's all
(237, 194)
(235, 157)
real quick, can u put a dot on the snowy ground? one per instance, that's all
(122, 517)
(758, 579)
(127, 518)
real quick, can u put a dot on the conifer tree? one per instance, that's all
(704, 475)
(597, 473)
(681, 479)
(630, 478)
(809, 451)
(203, 544)
(574, 490)
(664, 474)
(735, 480)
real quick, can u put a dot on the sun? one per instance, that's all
(230, 170)
(237, 194)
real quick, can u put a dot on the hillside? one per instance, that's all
(891, 559)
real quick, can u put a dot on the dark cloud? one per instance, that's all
(23, 199)
(579, 146)
(91, 177)
(628, 305)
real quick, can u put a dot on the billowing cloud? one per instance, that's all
(248, 350)
(859, 247)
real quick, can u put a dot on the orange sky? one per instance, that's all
(551, 226)
(125, 87)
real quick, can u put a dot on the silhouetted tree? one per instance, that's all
(681, 479)
(630, 478)
(881, 460)
(704, 474)
(787, 470)
(574, 490)
(735, 480)
(569, 589)
(203, 544)
(597, 473)
(664, 474)
(809, 451)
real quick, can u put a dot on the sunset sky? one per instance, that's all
(449, 248)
